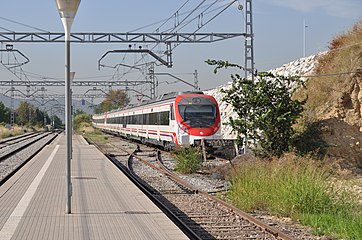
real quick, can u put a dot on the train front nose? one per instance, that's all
(198, 116)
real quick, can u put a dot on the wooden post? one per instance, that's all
(203, 150)
(236, 148)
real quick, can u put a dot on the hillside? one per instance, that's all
(335, 98)
(332, 118)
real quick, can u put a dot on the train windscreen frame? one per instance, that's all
(197, 113)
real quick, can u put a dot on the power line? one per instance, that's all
(22, 24)
(337, 49)
(331, 74)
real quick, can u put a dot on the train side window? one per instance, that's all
(139, 119)
(172, 114)
(153, 119)
(164, 118)
(145, 119)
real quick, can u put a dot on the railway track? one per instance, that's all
(16, 152)
(16, 139)
(13, 146)
(199, 214)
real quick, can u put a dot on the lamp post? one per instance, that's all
(67, 10)
(304, 38)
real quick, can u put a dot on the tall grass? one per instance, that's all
(4, 132)
(188, 159)
(298, 189)
(95, 135)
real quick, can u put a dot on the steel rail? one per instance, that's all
(137, 181)
(275, 232)
(3, 180)
(5, 140)
(7, 155)
(162, 168)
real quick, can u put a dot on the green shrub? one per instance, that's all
(82, 120)
(188, 160)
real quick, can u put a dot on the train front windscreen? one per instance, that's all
(197, 112)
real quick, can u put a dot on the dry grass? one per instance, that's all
(4, 132)
(344, 56)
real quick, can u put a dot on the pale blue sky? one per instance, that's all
(278, 29)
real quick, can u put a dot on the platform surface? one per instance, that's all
(105, 203)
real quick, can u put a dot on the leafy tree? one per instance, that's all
(114, 99)
(23, 113)
(265, 108)
(58, 124)
(79, 111)
(82, 119)
(98, 109)
(27, 114)
(38, 117)
(4, 113)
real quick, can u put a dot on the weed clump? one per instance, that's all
(297, 188)
(188, 159)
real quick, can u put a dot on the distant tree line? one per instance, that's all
(28, 115)
(4, 113)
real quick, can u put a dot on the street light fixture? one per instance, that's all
(67, 10)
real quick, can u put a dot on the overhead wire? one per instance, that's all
(199, 6)
(188, 15)
(23, 24)
(156, 30)
(224, 9)
(176, 12)
(181, 24)
(18, 70)
(331, 74)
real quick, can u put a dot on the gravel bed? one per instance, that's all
(202, 181)
(12, 147)
(207, 218)
(10, 164)
(213, 183)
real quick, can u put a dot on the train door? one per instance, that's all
(173, 124)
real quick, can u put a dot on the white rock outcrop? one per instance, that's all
(300, 67)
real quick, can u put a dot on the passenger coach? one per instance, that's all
(171, 119)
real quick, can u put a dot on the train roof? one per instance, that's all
(159, 98)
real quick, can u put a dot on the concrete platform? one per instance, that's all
(105, 204)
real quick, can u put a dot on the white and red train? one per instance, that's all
(182, 118)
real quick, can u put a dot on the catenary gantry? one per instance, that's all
(8, 37)
(88, 83)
